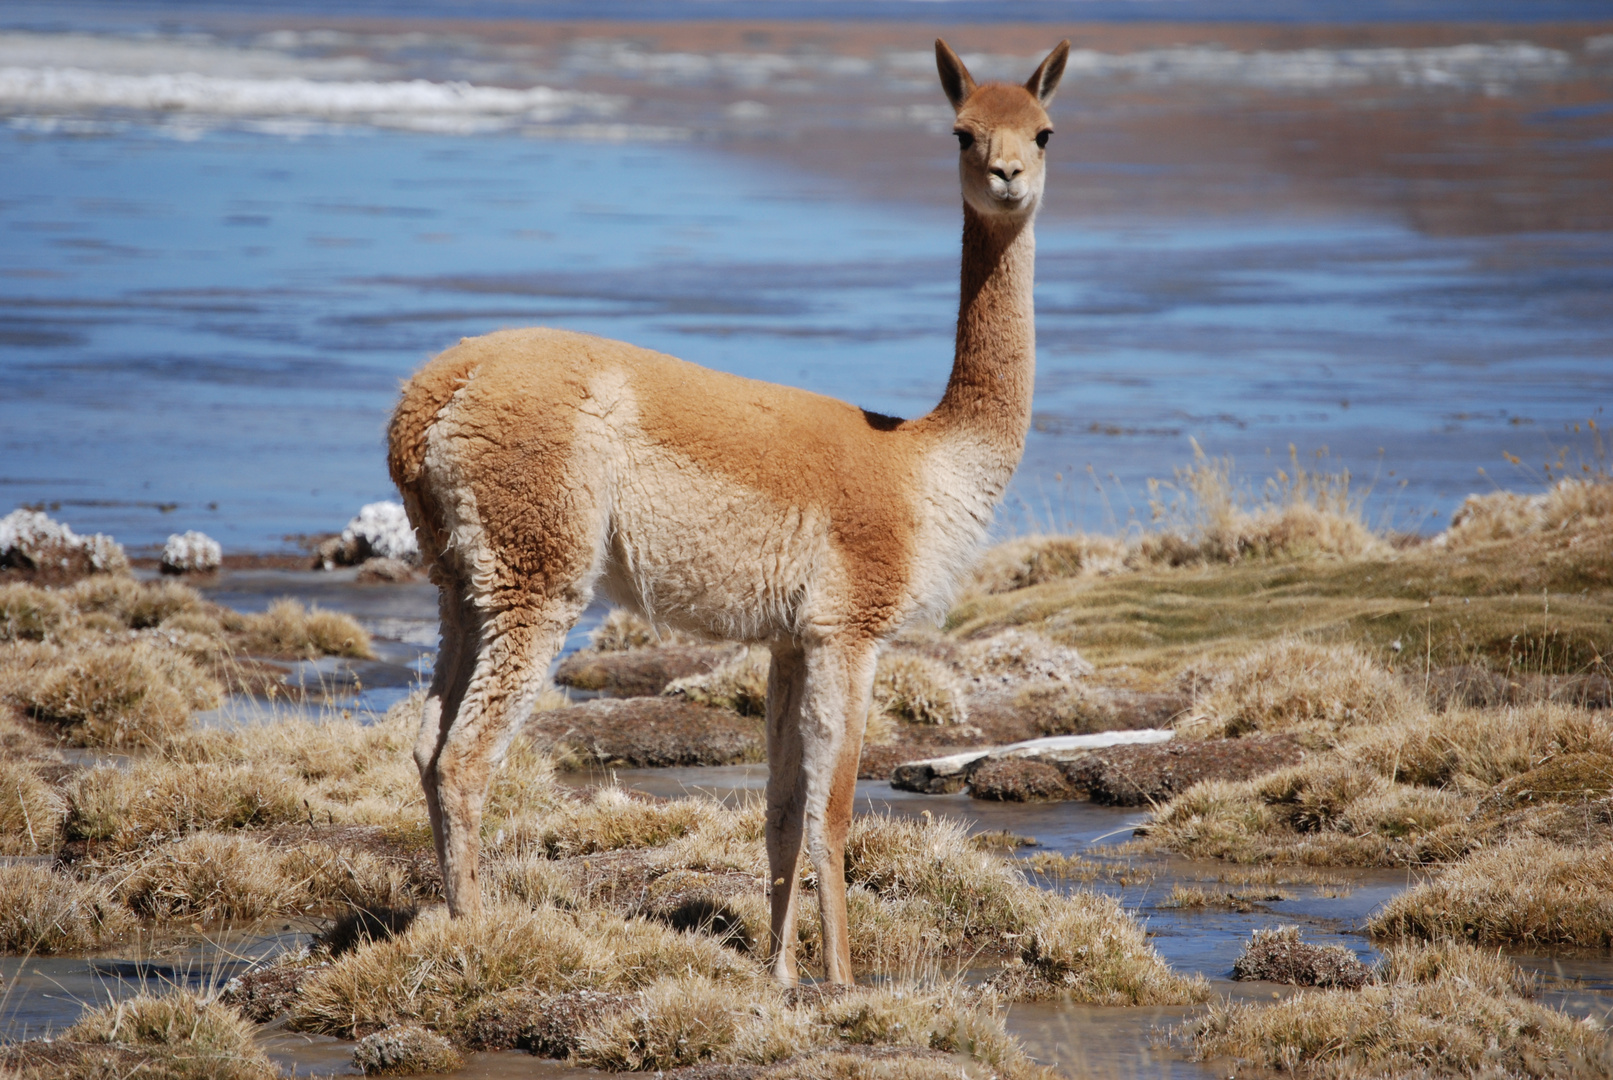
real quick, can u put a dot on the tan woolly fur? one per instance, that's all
(541, 467)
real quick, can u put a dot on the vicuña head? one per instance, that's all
(542, 468)
(1002, 132)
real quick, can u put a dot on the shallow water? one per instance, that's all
(1388, 242)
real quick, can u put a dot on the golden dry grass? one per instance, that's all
(42, 911)
(918, 690)
(1295, 685)
(1571, 504)
(133, 694)
(1033, 560)
(1436, 1011)
(1529, 891)
(31, 811)
(177, 1036)
(153, 801)
(288, 629)
(1475, 749)
(209, 877)
(739, 684)
(1324, 812)
(441, 966)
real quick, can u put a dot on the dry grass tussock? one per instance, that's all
(106, 603)
(180, 1036)
(622, 630)
(908, 687)
(124, 694)
(686, 1020)
(1570, 505)
(1529, 890)
(440, 966)
(1472, 750)
(31, 811)
(1296, 685)
(1442, 1010)
(210, 877)
(1205, 516)
(1300, 513)
(42, 911)
(1324, 812)
(1034, 560)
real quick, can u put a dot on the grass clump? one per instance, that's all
(1034, 560)
(288, 629)
(406, 1051)
(440, 967)
(739, 684)
(1086, 948)
(42, 911)
(1324, 812)
(1476, 749)
(1570, 505)
(1445, 1010)
(119, 695)
(209, 877)
(1527, 891)
(1300, 685)
(31, 613)
(177, 1036)
(918, 690)
(31, 812)
(154, 800)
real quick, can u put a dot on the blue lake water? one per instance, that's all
(203, 325)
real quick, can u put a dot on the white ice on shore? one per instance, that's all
(191, 552)
(36, 540)
(384, 527)
(416, 103)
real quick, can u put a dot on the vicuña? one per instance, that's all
(542, 467)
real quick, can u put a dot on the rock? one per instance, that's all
(405, 1050)
(49, 550)
(1279, 956)
(191, 553)
(648, 733)
(640, 672)
(1020, 780)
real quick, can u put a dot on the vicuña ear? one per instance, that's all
(955, 78)
(1047, 76)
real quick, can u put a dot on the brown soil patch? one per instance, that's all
(543, 1024)
(262, 995)
(647, 732)
(1021, 780)
(1138, 775)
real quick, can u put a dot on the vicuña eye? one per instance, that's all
(1042, 137)
(965, 139)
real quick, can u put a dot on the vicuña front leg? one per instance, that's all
(511, 660)
(839, 681)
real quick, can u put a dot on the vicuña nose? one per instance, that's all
(1006, 169)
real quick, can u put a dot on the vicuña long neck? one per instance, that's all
(988, 396)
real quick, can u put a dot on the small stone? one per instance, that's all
(405, 1050)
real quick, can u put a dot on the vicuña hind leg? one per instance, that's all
(508, 663)
(461, 635)
(786, 802)
(839, 682)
